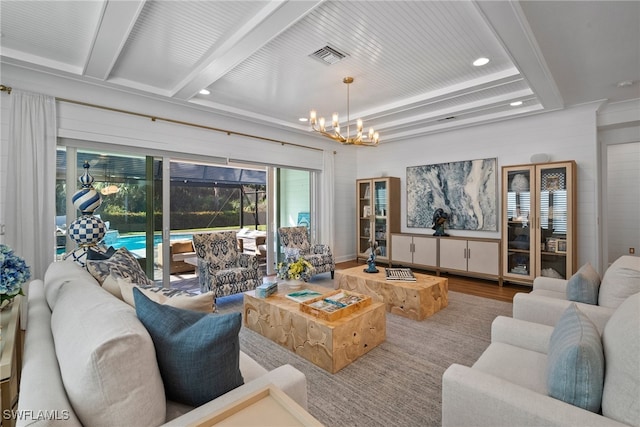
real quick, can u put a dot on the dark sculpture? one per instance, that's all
(440, 217)
(371, 261)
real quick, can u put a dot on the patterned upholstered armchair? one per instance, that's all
(295, 240)
(221, 268)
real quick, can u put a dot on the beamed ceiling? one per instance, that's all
(411, 60)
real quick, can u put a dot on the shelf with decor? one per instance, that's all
(378, 215)
(538, 214)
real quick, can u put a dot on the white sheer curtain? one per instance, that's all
(30, 205)
(327, 201)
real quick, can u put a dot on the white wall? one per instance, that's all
(567, 134)
(623, 190)
(564, 135)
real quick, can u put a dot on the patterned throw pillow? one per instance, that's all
(122, 264)
(167, 296)
(198, 354)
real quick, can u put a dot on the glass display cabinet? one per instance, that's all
(378, 214)
(538, 221)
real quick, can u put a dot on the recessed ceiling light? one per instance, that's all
(625, 83)
(303, 119)
(516, 103)
(480, 62)
(205, 92)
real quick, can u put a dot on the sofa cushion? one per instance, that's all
(107, 359)
(62, 272)
(167, 296)
(621, 341)
(198, 353)
(583, 286)
(121, 264)
(575, 364)
(620, 281)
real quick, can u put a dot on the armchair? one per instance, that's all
(221, 268)
(507, 385)
(548, 299)
(297, 239)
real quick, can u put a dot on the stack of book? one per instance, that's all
(266, 289)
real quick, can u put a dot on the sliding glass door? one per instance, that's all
(294, 201)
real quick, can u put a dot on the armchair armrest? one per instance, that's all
(520, 333)
(320, 249)
(474, 398)
(547, 311)
(285, 377)
(550, 284)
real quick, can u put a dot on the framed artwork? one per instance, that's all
(561, 246)
(466, 190)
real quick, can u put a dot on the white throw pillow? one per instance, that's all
(620, 281)
(107, 359)
(166, 296)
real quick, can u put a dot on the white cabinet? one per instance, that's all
(419, 251)
(458, 255)
(472, 256)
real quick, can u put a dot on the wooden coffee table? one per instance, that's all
(415, 300)
(331, 345)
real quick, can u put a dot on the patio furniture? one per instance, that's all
(295, 240)
(179, 251)
(221, 268)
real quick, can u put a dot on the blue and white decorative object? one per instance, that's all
(87, 230)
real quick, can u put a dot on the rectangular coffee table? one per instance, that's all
(415, 300)
(331, 345)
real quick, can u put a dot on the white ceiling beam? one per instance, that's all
(118, 18)
(512, 29)
(275, 18)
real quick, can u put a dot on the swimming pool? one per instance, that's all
(138, 241)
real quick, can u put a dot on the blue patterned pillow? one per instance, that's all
(584, 285)
(575, 362)
(198, 353)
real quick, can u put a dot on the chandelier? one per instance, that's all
(318, 125)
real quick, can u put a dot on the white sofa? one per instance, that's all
(548, 299)
(507, 386)
(89, 361)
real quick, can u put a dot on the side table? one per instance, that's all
(10, 363)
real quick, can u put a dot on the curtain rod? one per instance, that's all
(8, 89)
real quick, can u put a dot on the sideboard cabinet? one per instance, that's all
(538, 221)
(378, 215)
(459, 255)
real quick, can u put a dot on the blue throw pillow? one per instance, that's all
(575, 362)
(584, 285)
(198, 353)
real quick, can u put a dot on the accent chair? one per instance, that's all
(221, 268)
(295, 241)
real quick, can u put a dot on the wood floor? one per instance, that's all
(467, 285)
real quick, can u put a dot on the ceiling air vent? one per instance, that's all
(328, 55)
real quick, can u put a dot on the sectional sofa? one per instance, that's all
(88, 360)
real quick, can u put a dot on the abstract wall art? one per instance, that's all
(466, 190)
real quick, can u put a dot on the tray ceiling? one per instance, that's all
(411, 60)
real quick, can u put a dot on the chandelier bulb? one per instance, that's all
(321, 123)
(312, 117)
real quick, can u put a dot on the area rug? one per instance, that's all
(398, 383)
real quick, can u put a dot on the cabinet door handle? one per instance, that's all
(469, 253)
(464, 253)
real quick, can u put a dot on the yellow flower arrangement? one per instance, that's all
(300, 269)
